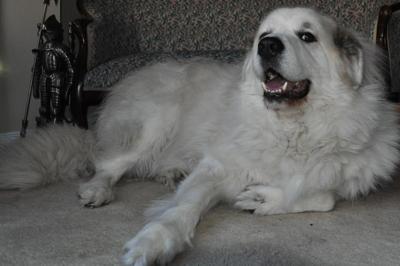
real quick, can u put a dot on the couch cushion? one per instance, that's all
(105, 75)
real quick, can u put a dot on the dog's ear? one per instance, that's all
(351, 53)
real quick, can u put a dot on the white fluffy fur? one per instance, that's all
(210, 122)
(45, 156)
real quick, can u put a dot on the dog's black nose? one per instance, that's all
(270, 47)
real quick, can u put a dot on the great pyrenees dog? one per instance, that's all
(302, 122)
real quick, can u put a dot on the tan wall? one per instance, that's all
(18, 19)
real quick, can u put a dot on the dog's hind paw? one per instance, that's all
(155, 243)
(171, 178)
(94, 195)
(261, 199)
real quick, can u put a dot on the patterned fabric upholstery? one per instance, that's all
(145, 30)
(110, 72)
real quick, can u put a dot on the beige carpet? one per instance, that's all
(48, 227)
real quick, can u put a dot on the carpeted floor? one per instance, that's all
(48, 227)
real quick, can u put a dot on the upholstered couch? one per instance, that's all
(124, 35)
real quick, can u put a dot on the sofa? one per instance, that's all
(123, 35)
(47, 226)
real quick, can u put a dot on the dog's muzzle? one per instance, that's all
(276, 87)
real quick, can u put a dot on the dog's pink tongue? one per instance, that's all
(274, 84)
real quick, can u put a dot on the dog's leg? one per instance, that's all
(265, 200)
(112, 165)
(322, 201)
(98, 191)
(173, 225)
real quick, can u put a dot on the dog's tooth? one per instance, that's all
(264, 86)
(284, 86)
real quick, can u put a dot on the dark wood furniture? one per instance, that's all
(81, 99)
(383, 31)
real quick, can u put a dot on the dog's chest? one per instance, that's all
(268, 147)
(293, 141)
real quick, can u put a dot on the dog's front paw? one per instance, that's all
(153, 244)
(94, 195)
(261, 199)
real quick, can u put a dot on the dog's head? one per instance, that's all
(299, 55)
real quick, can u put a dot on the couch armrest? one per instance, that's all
(384, 16)
(77, 37)
(387, 37)
(110, 33)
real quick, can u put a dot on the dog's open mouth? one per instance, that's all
(278, 88)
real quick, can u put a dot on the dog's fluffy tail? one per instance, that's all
(45, 156)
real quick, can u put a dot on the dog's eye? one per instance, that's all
(306, 37)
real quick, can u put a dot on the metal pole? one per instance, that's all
(25, 121)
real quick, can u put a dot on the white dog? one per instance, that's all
(301, 123)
